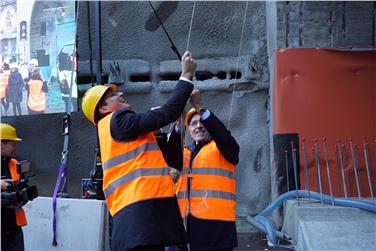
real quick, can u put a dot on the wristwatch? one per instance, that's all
(201, 111)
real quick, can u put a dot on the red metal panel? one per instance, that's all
(327, 93)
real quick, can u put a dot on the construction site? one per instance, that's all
(294, 82)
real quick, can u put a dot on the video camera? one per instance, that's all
(19, 192)
(92, 187)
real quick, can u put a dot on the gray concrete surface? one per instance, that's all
(81, 225)
(313, 226)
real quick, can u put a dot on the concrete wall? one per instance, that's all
(132, 35)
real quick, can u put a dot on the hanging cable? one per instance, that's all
(237, 65)
(190, 26)
(90, 46)
(186, 169)
(173, 47)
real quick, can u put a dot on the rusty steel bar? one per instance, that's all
(317, 160)
(356, 174)
(293, 150)
(287, 171)
(328, 169)
(368, 168)
(338, 170)
(306, 185)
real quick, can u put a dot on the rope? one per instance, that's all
(190, 26)
(182, 136)
(237, 66)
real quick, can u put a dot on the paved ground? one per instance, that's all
(255, 242)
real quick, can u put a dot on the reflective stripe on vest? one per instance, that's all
(129, 155)
(20, 214)
(37, 97)
(4, 77)
(212, 188)
(132, 171)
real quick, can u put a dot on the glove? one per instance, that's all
(116, 76)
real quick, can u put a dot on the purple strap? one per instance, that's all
(62, 175)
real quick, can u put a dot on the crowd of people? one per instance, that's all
(15, 79)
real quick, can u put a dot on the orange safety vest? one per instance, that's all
(37, 97)
(132, 171)
(4, 77)
(20, 214)
(212, 186)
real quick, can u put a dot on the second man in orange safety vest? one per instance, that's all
(206, 189)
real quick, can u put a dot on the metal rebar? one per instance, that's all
(338, 171)
(343, 170)
(295, 171)
(287, 171)
(347, 169)
(328, 169)
(368, 168)
(306, 185)
(357, 169)
(356, 174)
(317, 160)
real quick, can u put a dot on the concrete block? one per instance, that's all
(323, 227)
(81, 224)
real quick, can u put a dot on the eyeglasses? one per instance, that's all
(120, 98)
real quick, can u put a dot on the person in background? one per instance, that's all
(206, 188)
(12, 215)
(68, 86)
(4, 77)
(37, 88)
(33, 63)
(15, 86)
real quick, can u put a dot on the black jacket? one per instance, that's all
(154, 222)
(211, 234)
(8, 215)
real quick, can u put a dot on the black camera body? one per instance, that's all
(19, 192)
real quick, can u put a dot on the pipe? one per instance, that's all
(262, 223)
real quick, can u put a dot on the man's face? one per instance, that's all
(197, 130)
(114, 101)
(8, 148)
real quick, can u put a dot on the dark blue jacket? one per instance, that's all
(154, 222)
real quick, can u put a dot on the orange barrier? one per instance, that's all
(327, 93)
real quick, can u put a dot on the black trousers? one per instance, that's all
(12, 240)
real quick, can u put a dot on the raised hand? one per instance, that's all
(188, 66)
(116, 76)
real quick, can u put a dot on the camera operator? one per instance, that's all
(12, 214)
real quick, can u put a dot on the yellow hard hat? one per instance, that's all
(91, 99)
(8, 132)
(189, 115)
